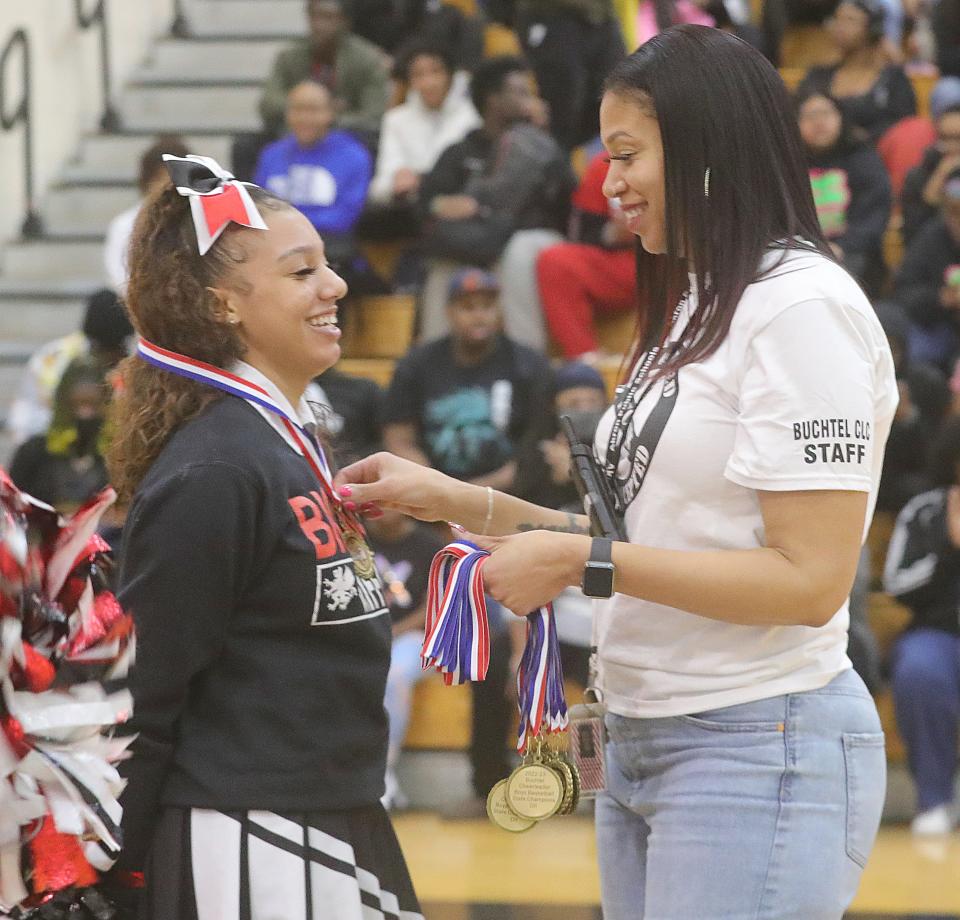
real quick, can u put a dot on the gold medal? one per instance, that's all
(500, 813)
(561, 768)
(575, 773)
(534, 791)
(363, 561)
(572, 783)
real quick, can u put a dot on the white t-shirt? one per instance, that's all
(799, 396)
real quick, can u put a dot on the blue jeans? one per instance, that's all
(926, 693)
(763, 811)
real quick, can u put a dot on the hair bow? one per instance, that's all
(216, 197)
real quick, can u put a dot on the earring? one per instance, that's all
(706, 182)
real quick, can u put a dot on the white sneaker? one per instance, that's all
(934, 822)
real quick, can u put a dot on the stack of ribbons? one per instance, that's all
(457, 640)
(64, 644)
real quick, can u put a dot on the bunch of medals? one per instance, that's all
(546, 783)
(457, 644)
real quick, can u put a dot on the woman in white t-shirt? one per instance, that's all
(746, 764)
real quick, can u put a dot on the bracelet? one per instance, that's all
(489, 520)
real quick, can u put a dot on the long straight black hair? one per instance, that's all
(721, 107)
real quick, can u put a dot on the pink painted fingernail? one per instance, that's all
(367, 506)
(454, 526)
(374, 512)
(346, 491)
(350, 506)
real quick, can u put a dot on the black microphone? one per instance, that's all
(592, 486)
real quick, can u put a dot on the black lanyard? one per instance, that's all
(626, 487)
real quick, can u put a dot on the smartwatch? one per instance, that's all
(598, 572)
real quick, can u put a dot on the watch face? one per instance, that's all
(598, 580)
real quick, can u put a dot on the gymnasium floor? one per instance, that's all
(470, 870)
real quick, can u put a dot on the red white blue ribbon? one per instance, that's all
(457, 634)
(235, 385)
(540, 696)
(457, 640)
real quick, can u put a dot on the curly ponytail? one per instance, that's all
(170, 304)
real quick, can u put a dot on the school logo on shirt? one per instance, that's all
(305, 185)
(833, 440)
(468, 426)
(348, 587)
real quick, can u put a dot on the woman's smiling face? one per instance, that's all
(631, 134)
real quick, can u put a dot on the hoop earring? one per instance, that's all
(706, 182)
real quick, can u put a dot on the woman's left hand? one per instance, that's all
(529, 570)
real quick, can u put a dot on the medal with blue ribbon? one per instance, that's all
(457, 641)
(457, 644)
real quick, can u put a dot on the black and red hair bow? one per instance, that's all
(216, 197)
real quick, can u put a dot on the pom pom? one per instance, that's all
(36, 674)
(58, 860)
(62, 635)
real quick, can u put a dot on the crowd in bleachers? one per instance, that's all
(464, 136)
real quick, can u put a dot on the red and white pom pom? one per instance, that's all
(63, 635)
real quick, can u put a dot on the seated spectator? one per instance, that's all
(103, 335)
(595, 271)
(353, 69)
(921, 571)
(543, 465)
(927, 285)
(404, 549)
(464, 404)
(436, 114)
(572, 45)
(850, 188)
(152, 174)
(924, 403)
(351, 413)
(324, 174)
(64, 466)
(502, 193)
(873, 93)
(388, 24)
(443, 24)
(922, 193)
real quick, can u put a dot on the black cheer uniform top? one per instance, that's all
(262, 648)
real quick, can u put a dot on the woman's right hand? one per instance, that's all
(388, 481)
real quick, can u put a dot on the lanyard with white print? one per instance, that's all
(628, 398)
(263, 396)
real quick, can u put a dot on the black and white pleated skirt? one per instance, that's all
(258, 865)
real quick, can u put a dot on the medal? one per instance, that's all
(535, 790)
(571, 784)
(500, 813)
(363, 560)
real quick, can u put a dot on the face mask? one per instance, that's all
(584, 422)
(88, 429)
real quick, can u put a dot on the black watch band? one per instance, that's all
(599, 571)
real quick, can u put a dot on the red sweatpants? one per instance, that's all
(576, 279)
